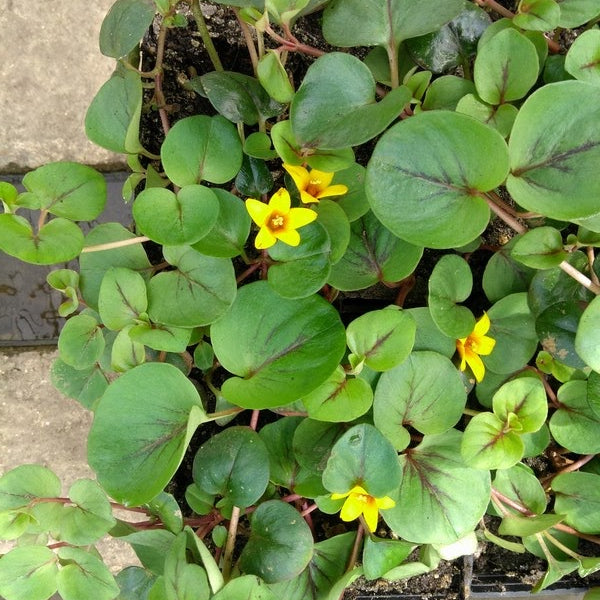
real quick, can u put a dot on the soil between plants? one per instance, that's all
(494, 569)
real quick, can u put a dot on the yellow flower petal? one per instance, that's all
(264, 239)
(323, 178)
(481, 327)
(385, 502)
(333, 190)
(307, 198)
(353, 508)
(291, 237)
(299, 217)
(476, 365)
(280, 201)
(484, 345)
(259, 212)
(338, 496)
(371, 514)
(299, 174)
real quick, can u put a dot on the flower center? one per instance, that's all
(277, 222)
(314, 182)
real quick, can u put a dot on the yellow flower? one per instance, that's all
(359, 502)
(277, 221)
(315, 184)
(474, 345)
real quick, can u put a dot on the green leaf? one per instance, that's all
(520, 484)
(248, 587)
(382, 338)
(445, 92)
(150, 442)
(59, 240)
(354, 202)
(574, 13)
(313, 441)
(113, 118)
(279, 349)
(521, 526)
(540, 248)
(274, 78)
(68, 190)
(425, 177)
(134, 583)
(577, 497)
(233, 464)
(374, 254)
(124, 26)
(197, 293)
(229, 234)
(258, 145)
(201, 148)
(280, 544)
(165, 507)
(339, 399)
(428, 336)
(424, 392)
(183, 580)
(440, 499)
(349, 23)
(254, 178)
(575, 424)
(552, 149)
(122, 298)
(512, 326)
(81, 342)
(176, 219)
(500, 117)
(28, 573)
(84, 385)
(83, 575)
(160, 337)
(583, 57)
(335, 108)
(587, 339)
(278, 437)
(557, 569)
(356, 459)
(333, 218)
(538, 15)
(325, 568)
(302, 270)
(451, 282)
(94, 265)
(382, 555)
(524, 397)
(151, 547)
(452, 44)
(21, 485)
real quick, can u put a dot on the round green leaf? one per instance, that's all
(587, 339)
(201, 148)
(513, 328)
(382, 338)
(248, 587)
(254, 178)
(125, 352)
(575, 424)
(301, 270)
(279, 349)
(577, 495)
(81, 342)
(538, 15)
(313, 441)
(21, 485)
(356, 459)
(175, 219)
(233, 464)
(122, 298)
(84, 385)
(554, 148)
(59, 240)
(274, 78)
(278, 437)
(440, 499)
(373, 254)
(354, 201)
(451, 281)
(28, 573)
(68, 190)
(142, 426)
(161, 337)
(521, 485)
(125, 25)
(333, 218)
(583, 57)
(335, 108)
(93, 265)
(574, 13)
(425, 177)
(280, 544)
(526, 398)
(134, 583)
(113, 118)
(500, 117)
(445, 92)
(197, 293)
(349, 23)
(258, 144)
(488, 443)
(428, 336)
(339, 399)
(424, 392)
(540, 248)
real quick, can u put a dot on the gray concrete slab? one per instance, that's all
(50, 70)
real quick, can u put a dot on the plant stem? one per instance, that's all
(357, 541)
(205, 35)
(113, 245)
(230, 544)
(591, 259)
(492, 4)
(580, 277)
(249, 41)
(158, 77)
(392, 52)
